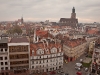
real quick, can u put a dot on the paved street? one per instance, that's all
(70, 67)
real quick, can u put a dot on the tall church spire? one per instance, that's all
(73, 14)
(73, 10)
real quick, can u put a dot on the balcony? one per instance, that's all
(47, 58)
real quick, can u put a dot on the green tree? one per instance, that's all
(17, 29)
(10, 31)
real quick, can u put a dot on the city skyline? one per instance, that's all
(53, 10)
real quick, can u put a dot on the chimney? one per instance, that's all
(43, 43)
(55, 40)
(37, 39)
(47, 42)
(34, 38)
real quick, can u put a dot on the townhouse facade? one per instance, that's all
(95, 65)
(46, 56)
(74, 48)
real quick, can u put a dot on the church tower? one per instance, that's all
(73, 14)
(22, 20)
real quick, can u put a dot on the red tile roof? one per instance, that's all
(74, 42)
(92, 31)
(41, 32)
(44, 46)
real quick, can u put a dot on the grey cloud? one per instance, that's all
(49, 9)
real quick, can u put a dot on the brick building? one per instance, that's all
(73, 21)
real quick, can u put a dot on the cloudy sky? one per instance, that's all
(53, 10)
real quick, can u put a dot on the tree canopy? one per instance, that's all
(15, 29)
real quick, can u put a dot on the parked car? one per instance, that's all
(79, 65)
(81, 60)
(86, 69)
(78, 73)
(78, 68)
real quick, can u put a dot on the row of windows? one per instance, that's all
(4, 68)
(19, 71)
(53, 50)
(52, 55)
(19, 67)
(39, 62)
(2, 63)
(18, 48)
(19, 62)
(19, 56)
(3, 45)
(42, 70)
(41, 66)
(1, 58)
(2, 50)
(4, 73)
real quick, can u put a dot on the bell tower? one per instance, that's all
(73, 14)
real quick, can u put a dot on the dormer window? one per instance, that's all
(54, 50)
(40, 51)
(47, 50)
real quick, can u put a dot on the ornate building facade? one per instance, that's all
(74, 48)
(46, 56)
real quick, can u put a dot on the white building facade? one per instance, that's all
(45, 59)
(4, 65)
